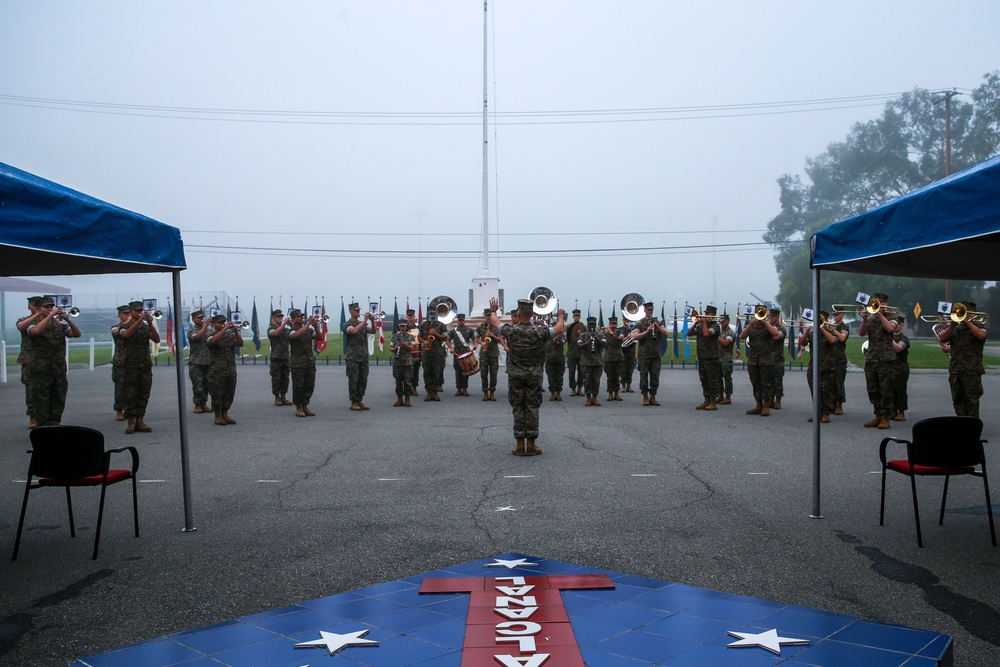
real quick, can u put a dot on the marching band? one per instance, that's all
(586, 350)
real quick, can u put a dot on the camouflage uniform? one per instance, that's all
(901, 399)
(402, 363)
(200, 363)
(524, 374)
(880, 368)
(222, 371)
(649, 358)
(573, 362)
(434, 354)
(118, 363)
(302, 363)
(137, 371)
(778, 350)
(726, 361)
(24, 358)
(827, 373)
(614, 359)
(356, 360)
(555, 362)
(591, 343)
(461, 340)
(48, 372)
(709, 367)
(965, 371)
(489, 356)
(760, 361)
(628, 359)
(840, 357)
(280, 368)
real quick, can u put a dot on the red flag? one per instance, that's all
(321, 344)
(381, 333)
(420, 312)
(170, 332)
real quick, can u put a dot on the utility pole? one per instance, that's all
(946, 97)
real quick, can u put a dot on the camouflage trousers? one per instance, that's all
(827, 389)
(415, 374)
(966, 389)
(628, 367)
(117, 372)
(137, 383)
(591, 379)
(762, 381)
(280, 372)
(880, 380)
(725, 378)
(48, 396)
(357, 379)
(26, 381)
(709, 372)
(403, 375)
(649, 375)
(525, 397)
(199, 383)
(613, 371)
(575, 372)
(433, 373)
(461, 379)
(303, 383)
(223, 390)
(555, 371)
(488, 369)
(841, 375)
(779, 379)
(901, 401)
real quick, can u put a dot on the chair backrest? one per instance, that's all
(67, 452)
(948, 442)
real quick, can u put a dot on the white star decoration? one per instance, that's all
(334, 642)
(510, 564)
(767, 640)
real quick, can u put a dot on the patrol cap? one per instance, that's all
(521, 303)
(774, 311)
(353, 306)
(576, 311)
(881, 296)
(410, 311)
(591, 320)
(724, 316)
(461, 316)
(276, 312)
(612, 320)
(135, 305)
(971, 305)
(403, 325)
(295, 312)
(125, 309)
(648, 304)
(487, 311)
(711, 310)
(46, 301)
(219, 319)
(34, 300)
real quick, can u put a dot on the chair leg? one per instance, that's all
(100, 518)
(135, 506)
(989, 507)
(69, 506)
(881, 508)
(916, 510)
(944, 496)
(20, 523)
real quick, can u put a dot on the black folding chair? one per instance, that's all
(71, 456)
(941, 446)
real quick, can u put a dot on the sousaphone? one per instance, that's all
(631, 306)
(543, 301)
(444, 307)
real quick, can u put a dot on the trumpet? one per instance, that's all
(760, 312)
(245, 324)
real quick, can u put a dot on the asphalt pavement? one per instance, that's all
(289, 509)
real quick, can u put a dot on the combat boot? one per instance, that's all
(765, 410)
(559, 395)
(900, 417)
(839, 410)
(277, 399)
(299, 412)
(142, 426)
(532, 449)
(611, 396)
(711, 406)
(728, 400)
(399, 401)
(519, 449)
(594, 401)
(589, 400)
(872, 423)
(552, 395)
(776, 404)
(225, 417)
(493, 395)
(628, 389)
(284, 400)
(309, 413)
(427, 398)
(119, 417)
(130, 426)
(486, 395)
(645, 398)
(883, 422)
(205, 409)
(406, 401)
(702, 405)
(197, 411)
(618, 395)
(757, 409)
(652, 400)
(458, 392)
(357, 408)
(825, 418)
(219, 421)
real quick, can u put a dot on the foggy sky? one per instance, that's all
(341, 141)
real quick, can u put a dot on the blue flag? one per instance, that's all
(600, 315)
(343, 321)
(255, 326)
(687, 350)
(677, 349)
(663, 339)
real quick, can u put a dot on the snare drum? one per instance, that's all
(468, 362)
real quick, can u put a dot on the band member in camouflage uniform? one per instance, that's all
(614, 358)
(778, 350)
(118, 360)
(880, 364)
(591, 343)
(137, 374)
(433, 335)
(222, 372)
(727, 347)
(555, 365)
(459, 342)
(280, 368)
(199, 359)
(829, 338)
(356, 330)
(524, 371)
(401, 346)
(707, 332)
(24, 354)
(302, 337)
(628, 362)
(762, 334)
(901, 346)
(573, 361)
(48, 362)
(840, 356)
(489, 355)
(965, 368)
(417, 354)
(648, 332)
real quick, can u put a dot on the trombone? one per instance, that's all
(872, 307)
(958, 313)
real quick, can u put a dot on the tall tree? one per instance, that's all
(880, 160)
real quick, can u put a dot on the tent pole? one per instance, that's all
(182, 405)
(817, 390)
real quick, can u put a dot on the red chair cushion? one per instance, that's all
(94, 480)
(903, 466)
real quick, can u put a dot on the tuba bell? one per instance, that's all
(631, 306)
(444, 307)
(544, 301)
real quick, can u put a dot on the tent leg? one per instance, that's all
(817, 389)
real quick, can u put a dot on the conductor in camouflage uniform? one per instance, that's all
(302, 336)
(459, 342)
(280, 368)
(199, 359)
(965, 368)
(222, 372)
(48, 362)
(727, 347)
(591, 343)
(137, 374)
(401, 346)
(880, 363)
(614, 358)
(24, 354)
(524, 371)
(648, 333)
(489, 355)
(355, 332)
(761, 335)
(706, 329)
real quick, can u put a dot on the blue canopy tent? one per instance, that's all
(49, 229)
(948, 229)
